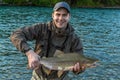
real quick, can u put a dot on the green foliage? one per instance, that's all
(8, 1)
(86, 3)
(75, 3)
(20, 2)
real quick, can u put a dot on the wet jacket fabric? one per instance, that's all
(47, 38)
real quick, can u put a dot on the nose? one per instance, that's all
(60, 17)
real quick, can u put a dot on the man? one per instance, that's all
(55, 35)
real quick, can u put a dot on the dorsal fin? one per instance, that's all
(58, 53)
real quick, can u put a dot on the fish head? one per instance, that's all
(91, 64)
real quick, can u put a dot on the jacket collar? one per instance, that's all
(61, 32)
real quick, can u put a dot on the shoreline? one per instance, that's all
(99, 7)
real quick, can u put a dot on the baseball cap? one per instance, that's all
(60, 5)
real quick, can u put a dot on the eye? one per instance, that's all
(57, 14)
(64, 15)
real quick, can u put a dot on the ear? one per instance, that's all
(69, 16)
(53, 15)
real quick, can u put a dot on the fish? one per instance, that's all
(64, 61)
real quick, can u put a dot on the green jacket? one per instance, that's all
(47, 38)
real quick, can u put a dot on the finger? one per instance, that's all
(36, 64)
(32, 66)
(83, 68)
(78, 67)
(75, 67)
(29, 66)
(70, 68)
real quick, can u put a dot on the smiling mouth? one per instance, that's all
(60, 23)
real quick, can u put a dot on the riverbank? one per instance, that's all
(72, 3)
(3, 4)
(101, 7)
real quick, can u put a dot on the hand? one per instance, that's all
(33, 59)
(77, 68)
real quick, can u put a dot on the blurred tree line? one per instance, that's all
(73, 3)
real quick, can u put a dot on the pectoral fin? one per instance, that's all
(59, 73)
(46, 70)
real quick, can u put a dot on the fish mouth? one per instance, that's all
(95, 64)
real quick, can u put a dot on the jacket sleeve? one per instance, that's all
(77, 45)
(20, 37)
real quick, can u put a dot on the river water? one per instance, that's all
(99, 30)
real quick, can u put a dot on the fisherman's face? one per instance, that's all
(61, 17)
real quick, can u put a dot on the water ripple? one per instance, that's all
(99, 30)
